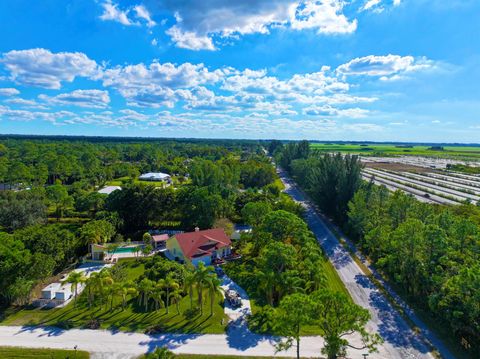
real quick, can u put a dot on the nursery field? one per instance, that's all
(470, 152)
(441, 187)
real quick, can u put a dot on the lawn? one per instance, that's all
(199, 356)
(28, 353)
(132, 318)
(391, 150)
(119, 182)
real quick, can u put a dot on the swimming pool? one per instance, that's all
(130, 249)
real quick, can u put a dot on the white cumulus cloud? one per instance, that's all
(199, 23)
(81, 98)
(113, 13)
(9, 91)
(142, 13)
(389, 67)
(131, 16)
(326, 16)
(42, 68)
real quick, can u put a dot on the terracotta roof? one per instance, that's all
(160, 237)
(201, 243)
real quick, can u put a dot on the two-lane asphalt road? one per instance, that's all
(400, 340)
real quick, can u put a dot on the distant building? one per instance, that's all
(239, 230)
(155, 176)
(200, 246)
(109, 189)
(160, 241)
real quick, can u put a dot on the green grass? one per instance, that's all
(278, 182)
(393, 150)
(203, 356)
(200, 356)
(334, 282)
(132, 318)
(28, 353)
(119, 182)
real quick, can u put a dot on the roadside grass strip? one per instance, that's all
(33, 353)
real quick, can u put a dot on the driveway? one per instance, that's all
(236, 315)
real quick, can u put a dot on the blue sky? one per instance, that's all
(378, 70)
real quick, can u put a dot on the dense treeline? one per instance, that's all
(431, 252)
(330, 179)
(282, 256)
(39, 162)
(48, 183)
(32, 254)
(284, 271)
(22, 209)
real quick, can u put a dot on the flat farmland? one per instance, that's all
(435, 186)
(369, 149)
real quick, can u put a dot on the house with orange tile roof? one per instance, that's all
(199, 246)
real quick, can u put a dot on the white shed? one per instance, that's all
(49, 291)
(109, 189)
(64, 292)
(155, 176)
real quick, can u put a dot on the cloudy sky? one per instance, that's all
(381, 70)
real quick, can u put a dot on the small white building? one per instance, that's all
(64, 292)
(155, 176)
(50, 290)
(109, 189)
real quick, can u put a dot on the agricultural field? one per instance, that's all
(430, 186)
(370, 149)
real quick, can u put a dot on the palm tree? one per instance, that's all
(158, 294)
(113, 290)
(145, 289)
(136, 250)
(201, 278)
(92, 283)
(267, 280)
(96, 284)
(127, 288)
(176, 296)
(75, 278)
(170, 284)
(188, 283)
(214, 288)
